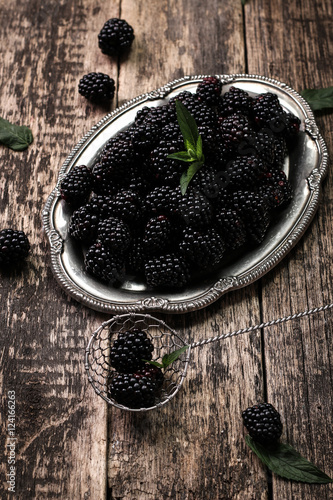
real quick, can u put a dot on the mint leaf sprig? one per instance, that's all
(168, 359)
(15, 137)
(193, 144)
(285, 461)
(319, 98)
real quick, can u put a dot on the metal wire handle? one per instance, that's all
(249, 329)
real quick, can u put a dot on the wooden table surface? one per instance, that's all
(70, 445)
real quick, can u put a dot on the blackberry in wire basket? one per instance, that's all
(130, 350)
(97, 87)
(263, 423)
(115, 37)
(133, 390)
(14, 247)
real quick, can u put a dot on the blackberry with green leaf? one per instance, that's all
(14, 247)
(97, 87)
(130, 350)
(104, 265)
(115, 37)
(76, 186)
(167, 271)
(263, 423)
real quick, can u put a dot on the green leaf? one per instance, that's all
(187, 176)
(319, 98)
(181, 156)
(243, 2)
(168, 359)
(154, 363)
(285, 461)
(15, 137)
(187, 125)
(198, 148)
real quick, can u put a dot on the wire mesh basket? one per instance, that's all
(165, 340)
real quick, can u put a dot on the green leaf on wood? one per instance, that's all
(286, 462)
(168, 359)
(319, 98)
(16, 137)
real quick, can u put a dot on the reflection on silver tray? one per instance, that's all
(305, 167)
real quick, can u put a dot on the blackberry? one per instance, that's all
(118, 159)
(129, 350)
(101, 205)
(102, 264)
(292, 125)
(103, 180)
(97, 87)
(204, 249)
(76, 186)
(234, 129)
(255, 213)
(84, 222)
(162, 200)
(161, 116)
(135, 256)
(209, 90)
(167, 171)
(14, 247)
(281, 151)
(157, 234)
(114, 234)
(265, 108)
(195, 209)
(277, 189)
(127, 205)
(231, 227)
(115, 37)
(167, 271)
(208, 182)
(145, 136)
(152, 372)
(133, 390)
(244, 172)
(235, 100)
(201, 112)
(263, 423)
(263, 144)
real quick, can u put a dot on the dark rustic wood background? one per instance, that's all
(69, 444)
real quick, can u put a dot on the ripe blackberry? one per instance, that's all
(14, 247)
(263, 144)
(167, 271)
(281, 152)
(263, 422)
(133, 390)
(255, 213)
(129, 350)
(161, 116)
(117, 158)
(97, 87)
(103, 265)
(235, 100)
(231, 227)
(209, 90)
(203, 249)
(135, 256)
(195, 209)
(162, 200)
(114, 234)
(101, 205)
(265, 108)
(152, 372)
(292, 125)
(234, 129)
(115, 37)
(244, 172)
(167, 171)
(103, 180)
(127, 205)
(145, 136)
(84, 222)
(208, 182)
(277, 189)
(76, 186)
(201, 112)
(157, 234)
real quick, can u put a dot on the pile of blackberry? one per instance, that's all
(130, 215)
(135, 383)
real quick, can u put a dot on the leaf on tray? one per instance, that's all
(319, 98)
(286, 462)
(16, 137)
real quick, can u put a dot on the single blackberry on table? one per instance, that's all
(84, 222)
(234, 129)
(115, 37)
(231, 227)
(265, 108)
(97, 87)
(277, 189)
(130, 349)
(263, 423)
(14, 246)
(203, 249)
(235, 100)
(209, 90)
(114, 234)
(103, 264)
(157, 234)
(133, 390)
(167, 271)
(254, 210)
(76, 186)
(244, 172)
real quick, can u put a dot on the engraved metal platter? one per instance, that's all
(305, 167)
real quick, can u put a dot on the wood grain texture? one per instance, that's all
(297, 37)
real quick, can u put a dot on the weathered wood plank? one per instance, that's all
(193, 448)
(297, 40)
(61, 424)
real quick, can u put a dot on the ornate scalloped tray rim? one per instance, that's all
(223, 284)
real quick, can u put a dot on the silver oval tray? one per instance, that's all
(305, 167)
